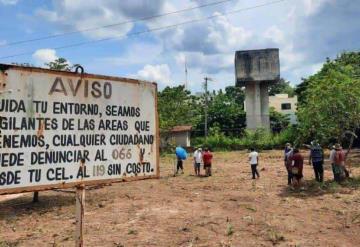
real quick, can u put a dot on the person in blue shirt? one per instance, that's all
(317, 158)
(180, 156)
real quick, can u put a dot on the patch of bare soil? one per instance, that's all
(227, 209)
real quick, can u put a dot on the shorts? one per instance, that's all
(197, 165)
(207, 166)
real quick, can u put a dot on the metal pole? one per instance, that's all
(80, 208)
(80, 193)
(206, 106)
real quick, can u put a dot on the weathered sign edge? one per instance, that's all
(4, 67)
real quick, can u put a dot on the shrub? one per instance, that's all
(259, 139)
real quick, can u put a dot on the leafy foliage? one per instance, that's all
(278, 121)
(282, 87)
(176, 106)
(332, 103)
(60, 64)
(259, 139)
(225, 110)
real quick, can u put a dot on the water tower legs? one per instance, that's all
(257, 105)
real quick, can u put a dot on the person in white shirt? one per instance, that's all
(197, 161)
(254, 161)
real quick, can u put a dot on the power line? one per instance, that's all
(149, 30)
(113, 25)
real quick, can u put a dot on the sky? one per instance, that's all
(157, 49)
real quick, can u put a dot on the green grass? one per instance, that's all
(274, 236)
(229, 229)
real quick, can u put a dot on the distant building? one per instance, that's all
(179, 135)
(285, 105)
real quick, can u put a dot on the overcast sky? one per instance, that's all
(306, 31)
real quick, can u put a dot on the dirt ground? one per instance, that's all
(227, 209)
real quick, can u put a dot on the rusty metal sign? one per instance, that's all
(60, 129)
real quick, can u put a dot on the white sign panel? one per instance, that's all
(59, 129)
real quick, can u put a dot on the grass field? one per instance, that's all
(227, 209)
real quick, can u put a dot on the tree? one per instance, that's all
(236, 93)
(278, 121)
(226, 111)
(301, 89)
(331, 107)
(282, 87)
(61, 64)
(176, 106)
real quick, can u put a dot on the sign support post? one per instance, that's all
(79, 211)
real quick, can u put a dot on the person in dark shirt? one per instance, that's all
(207, 158)
(317, 158)
(297, 161)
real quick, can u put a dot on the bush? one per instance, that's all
(259, 139)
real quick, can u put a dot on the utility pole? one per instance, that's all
(206, 104)
(186, 76)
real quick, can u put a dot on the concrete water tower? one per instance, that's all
(256, 70)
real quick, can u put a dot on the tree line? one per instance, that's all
(328, 107)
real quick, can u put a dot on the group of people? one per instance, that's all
(294, 161)
(200, 157)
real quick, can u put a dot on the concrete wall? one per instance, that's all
(181, 139)
(257, 66)
(279, 99)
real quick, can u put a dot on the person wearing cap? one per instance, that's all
(287, 154)
(317, 158)
(197, 161)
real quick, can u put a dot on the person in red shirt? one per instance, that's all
(297, 163)
(207, 157)
(339, 163)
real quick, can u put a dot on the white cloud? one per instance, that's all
(214, 36)
(85, 14)
(158, 73)
(3, 42)
(316, 67)
(9, 2)
(211, 64)
(289, 57)
(43, 56)
(274, 34)
(313, 6)
(225, 36)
